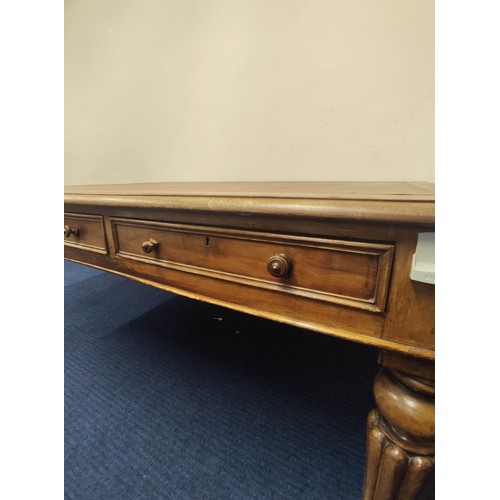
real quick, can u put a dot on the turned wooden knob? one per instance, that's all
(68, 231)
(279, 265)
(149, 245)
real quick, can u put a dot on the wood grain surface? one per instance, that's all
(405, 202)
(309, 190)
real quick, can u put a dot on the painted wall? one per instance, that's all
(209, 90)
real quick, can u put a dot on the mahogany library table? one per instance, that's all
(338, 258)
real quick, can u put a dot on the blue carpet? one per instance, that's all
(171, 398)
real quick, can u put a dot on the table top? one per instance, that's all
(405, 202)
(309, 190)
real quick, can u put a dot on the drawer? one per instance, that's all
(85, 231)
(350, 273)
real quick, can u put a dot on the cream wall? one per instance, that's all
(209, 90)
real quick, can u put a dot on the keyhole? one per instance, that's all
(207, 242)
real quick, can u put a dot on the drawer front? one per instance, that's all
(85, 231)
(349, 273)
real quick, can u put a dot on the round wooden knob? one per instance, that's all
(149, 245)
(68, 231)
(279, 265)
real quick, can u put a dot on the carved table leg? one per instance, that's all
(400, 438)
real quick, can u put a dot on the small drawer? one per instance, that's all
(85, 231)
(344, 272)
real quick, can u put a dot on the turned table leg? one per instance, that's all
(400, 437)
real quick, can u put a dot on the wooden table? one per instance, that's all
(331, 257)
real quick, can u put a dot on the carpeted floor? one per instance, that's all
(170, 398)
